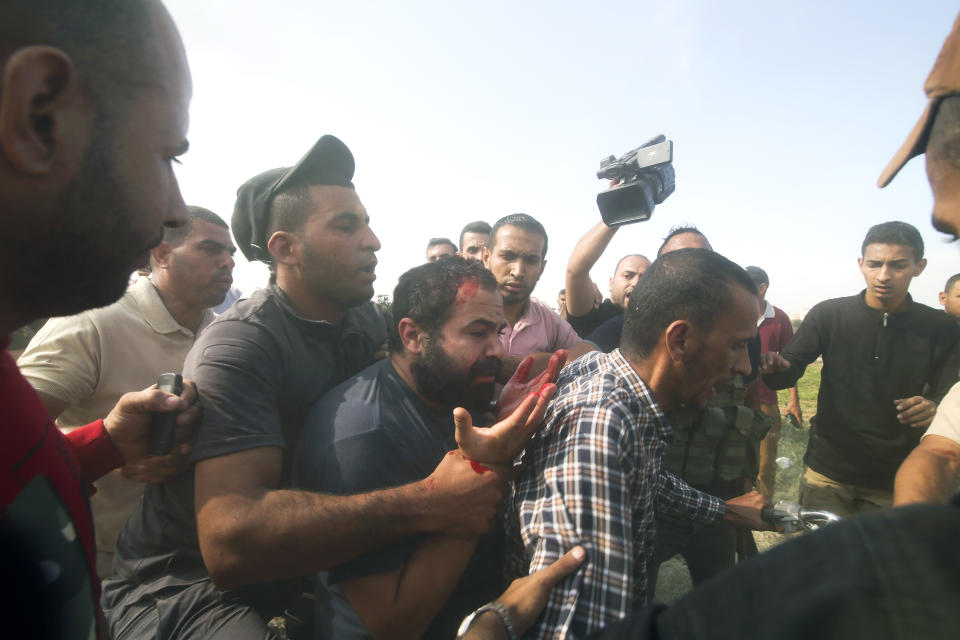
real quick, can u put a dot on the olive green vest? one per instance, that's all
(718, 441)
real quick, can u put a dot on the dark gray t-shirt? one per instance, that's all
(373, 432)
(259, 368)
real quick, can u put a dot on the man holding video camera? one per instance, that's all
(582, 315)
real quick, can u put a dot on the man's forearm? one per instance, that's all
(784, 379)
(794, 396)
(403, 603)
(926, 476)
(585, 254)
(282, 534)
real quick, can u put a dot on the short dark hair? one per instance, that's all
(478, 226)
(111, 43)
(687, 284)
(522, 221)
(952, 280)
(894, 232)
(289, 211)
(174, 236)
(426, 293)
(676, 231)
(758, 275)
(435, 241)
(943, 141)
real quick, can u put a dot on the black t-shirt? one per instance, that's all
(259, 368)
(585, 325)
(607, 338)
(373, 432)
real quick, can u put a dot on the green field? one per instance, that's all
(674, 580)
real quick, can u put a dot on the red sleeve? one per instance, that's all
(94, 450)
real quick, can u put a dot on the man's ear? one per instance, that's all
(921, 265)
(45, 118)
(485, 257)
(943, 298)
(410, 336)
(543, 265)
(677, 339)
(161, 254)
(285, 247)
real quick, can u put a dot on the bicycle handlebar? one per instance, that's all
(789, 517)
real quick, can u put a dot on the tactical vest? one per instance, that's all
(718, 441)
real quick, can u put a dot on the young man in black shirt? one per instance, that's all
(887, 362)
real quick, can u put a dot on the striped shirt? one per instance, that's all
(593, 476)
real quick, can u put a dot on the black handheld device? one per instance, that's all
(163, 425)
(646, 179)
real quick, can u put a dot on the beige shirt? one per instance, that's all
(947, 421)
(91, 359)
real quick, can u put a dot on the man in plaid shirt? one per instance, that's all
(593, 477)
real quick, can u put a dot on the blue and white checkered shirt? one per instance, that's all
(592, 476)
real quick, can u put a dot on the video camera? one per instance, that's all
(646, 179)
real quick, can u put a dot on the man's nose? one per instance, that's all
(742, 363)
(494, 348)
(371, 241)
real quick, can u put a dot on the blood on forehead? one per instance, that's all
(468, 289)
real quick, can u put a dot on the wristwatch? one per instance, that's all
(498, 609)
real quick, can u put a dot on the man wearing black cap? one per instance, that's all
(231, 522)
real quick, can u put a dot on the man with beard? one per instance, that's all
(391, 424)
(80, 365)
(214, 552)
(582, 314)
(94, 110)
(593, 474)
(517, 256)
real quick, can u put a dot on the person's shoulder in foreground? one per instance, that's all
(889, 574)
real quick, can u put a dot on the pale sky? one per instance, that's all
(782, 117)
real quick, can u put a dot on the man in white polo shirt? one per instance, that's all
(80, 365)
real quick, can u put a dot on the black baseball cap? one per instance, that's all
(329, 162)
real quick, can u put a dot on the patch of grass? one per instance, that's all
(674, 579)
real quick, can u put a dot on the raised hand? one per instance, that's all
(502, 442)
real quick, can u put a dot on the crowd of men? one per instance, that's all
(467, 463)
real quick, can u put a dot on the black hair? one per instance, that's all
(758, 275)
(676, 231)
(289, 211)
(522, 221)
(687, 284)
(895, 232)
(174, 236)
(435, 241)
(426, 293)
(478, 226)
(950, 282)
